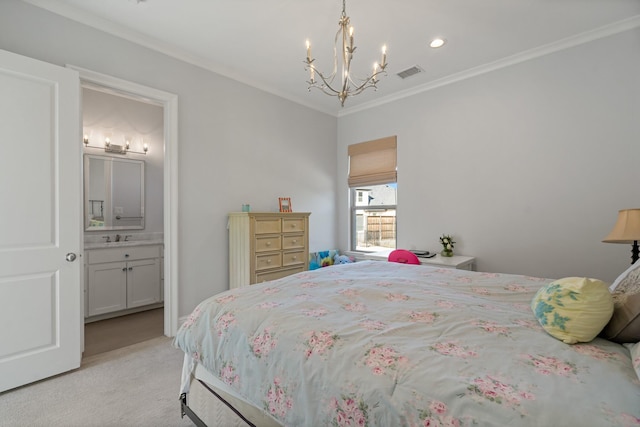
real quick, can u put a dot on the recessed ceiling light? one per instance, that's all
(435, 43)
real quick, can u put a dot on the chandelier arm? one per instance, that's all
(371, 77)
(326, 83)
(326, 80)
(367, 83)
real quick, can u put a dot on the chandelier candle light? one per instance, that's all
(348, 85)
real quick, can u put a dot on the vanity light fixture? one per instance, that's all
(115, 148)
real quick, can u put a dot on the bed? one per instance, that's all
(385, 344)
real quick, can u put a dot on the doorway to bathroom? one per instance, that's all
(135, 123)
(123, 150)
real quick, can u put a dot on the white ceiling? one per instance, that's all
(262, 42)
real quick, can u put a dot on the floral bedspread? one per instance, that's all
(385, 344)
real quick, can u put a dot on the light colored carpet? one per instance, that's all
(136, 385)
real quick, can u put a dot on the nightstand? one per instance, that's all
(459, 262)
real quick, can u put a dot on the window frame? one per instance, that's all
(353, 208)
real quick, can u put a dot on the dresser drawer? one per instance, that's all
(267, 243)
(268, 226)
(293, 225)
(293, 258)
(273, 275)
(96, 256)
(268, 261)
(293, 241)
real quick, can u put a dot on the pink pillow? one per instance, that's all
(403, 256)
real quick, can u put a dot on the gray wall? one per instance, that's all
(236, 144)
(525, 166)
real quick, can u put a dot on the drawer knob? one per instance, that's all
(293, 225)
(268, 243)
(294, 241)
(294, 257)
(269, 261)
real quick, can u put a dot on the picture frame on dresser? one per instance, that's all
(285, 204)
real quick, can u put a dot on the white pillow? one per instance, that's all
(631, 273)
(634, 350)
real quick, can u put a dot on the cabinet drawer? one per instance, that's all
(268, 225)
(273, 275)
(293, 225)
(293, 258)
(293, 242)
(267, 243)
(96, 256)
(268, 261)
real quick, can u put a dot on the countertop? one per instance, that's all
(105, 245)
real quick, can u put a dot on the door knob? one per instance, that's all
(70, 257)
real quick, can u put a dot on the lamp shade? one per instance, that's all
(627, 228)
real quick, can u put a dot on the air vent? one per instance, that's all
(412, 71)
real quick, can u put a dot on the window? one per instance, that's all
(372, 180)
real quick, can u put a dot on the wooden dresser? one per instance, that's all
(267, 246)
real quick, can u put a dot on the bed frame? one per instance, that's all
(210, 406)
(186, 410)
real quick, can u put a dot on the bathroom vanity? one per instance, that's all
(122, 278)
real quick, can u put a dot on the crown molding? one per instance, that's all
(120, 31)
(566, 43)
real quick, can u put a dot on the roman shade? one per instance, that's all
(373, 162)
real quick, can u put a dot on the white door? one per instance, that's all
(40, 214)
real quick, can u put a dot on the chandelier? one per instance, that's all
(348, 84)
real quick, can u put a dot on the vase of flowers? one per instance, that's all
(447, 245)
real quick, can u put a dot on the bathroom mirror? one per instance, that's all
(113, 193)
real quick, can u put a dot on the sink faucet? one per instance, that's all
(108, 238)
(117, 237)
(126, 238)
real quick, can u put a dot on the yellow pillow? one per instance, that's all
(573, 309)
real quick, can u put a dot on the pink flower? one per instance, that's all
(377, 370)
(397, 297)
(225, 299)
(438, 407)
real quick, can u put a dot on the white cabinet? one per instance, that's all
(106, 288)
(122, 278)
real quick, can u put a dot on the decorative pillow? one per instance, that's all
(624, 326)
(634, 350)
(573, 309)
(321, 259)
(627, 280)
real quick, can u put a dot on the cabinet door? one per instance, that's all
(107, 287)
(143, 282)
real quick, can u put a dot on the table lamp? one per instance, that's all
(626, 230)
